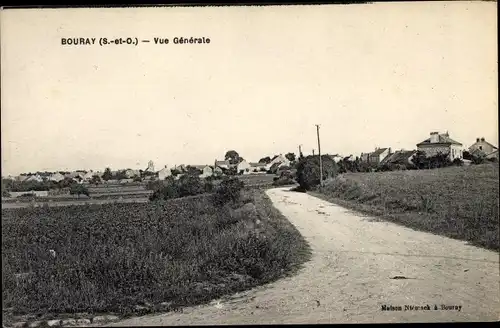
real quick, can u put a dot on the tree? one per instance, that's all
(265, 160)
(120, 175)
(95, 179)
(290, 157)
(233, 157)
(107, 175)
(308, 172)
(78, 189)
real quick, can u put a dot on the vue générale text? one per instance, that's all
(103, 41)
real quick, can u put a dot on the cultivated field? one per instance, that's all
(458, 202)
(115, 257)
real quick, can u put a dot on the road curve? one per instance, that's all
(349, 277)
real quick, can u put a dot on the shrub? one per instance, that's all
(78, 189)
(422, 161)
(308, 174)
(228, 191)
(187, 185)
(208, 186)
(190, 185)
(458, 162)
(283, 181)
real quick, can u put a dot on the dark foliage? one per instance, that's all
(308, 172)
(229, 190)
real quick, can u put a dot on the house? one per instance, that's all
(56, 177)
(71, 175)
(364, 157)
(164, 173)
(206, 171)
(402, 157)
(257, 167)
(482, 146)
(222, 164)
(217, 170)
(22, 178)
(243, 167)
(441, 143)
(278, 159)
(88, 176)
(336, 158)
(274, 168)
(378, 155)
(34, 178)
(180, 168)
(129, 173)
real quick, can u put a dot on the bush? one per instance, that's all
(421, 161)
(187, 185)
(190, 185)
(78, 189)
(308, 174)
(458, 162)
(284, 180)
(228, 191)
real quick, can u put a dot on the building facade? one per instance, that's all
(441, 143)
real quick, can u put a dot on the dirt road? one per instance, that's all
(348, 279)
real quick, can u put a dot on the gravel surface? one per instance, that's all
(358, 265)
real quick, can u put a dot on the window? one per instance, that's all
(481, 147)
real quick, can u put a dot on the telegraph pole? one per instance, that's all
(320, 162)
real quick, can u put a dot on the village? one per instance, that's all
(271, 166)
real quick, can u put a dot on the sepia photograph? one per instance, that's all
(250, 164)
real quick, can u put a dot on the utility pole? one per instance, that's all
(320, 162)
(313, 151)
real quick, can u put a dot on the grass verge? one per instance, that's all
(115, 257)
(457, 202)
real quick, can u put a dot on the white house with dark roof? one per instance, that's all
(375, 157)
(279, 160)
(379, 155)
(257, 167)
(441, 143)
(403, 157)
(56, 177)
(35, 178)
(223, 164)
(243, 167)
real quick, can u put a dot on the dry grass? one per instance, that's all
(457, 202)
(113, 257)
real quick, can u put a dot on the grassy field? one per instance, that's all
(114, 257)
(457, 202)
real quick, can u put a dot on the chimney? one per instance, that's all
(434, 137)
(482, 139)
(477, 139)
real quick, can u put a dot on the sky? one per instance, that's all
(371, 75)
